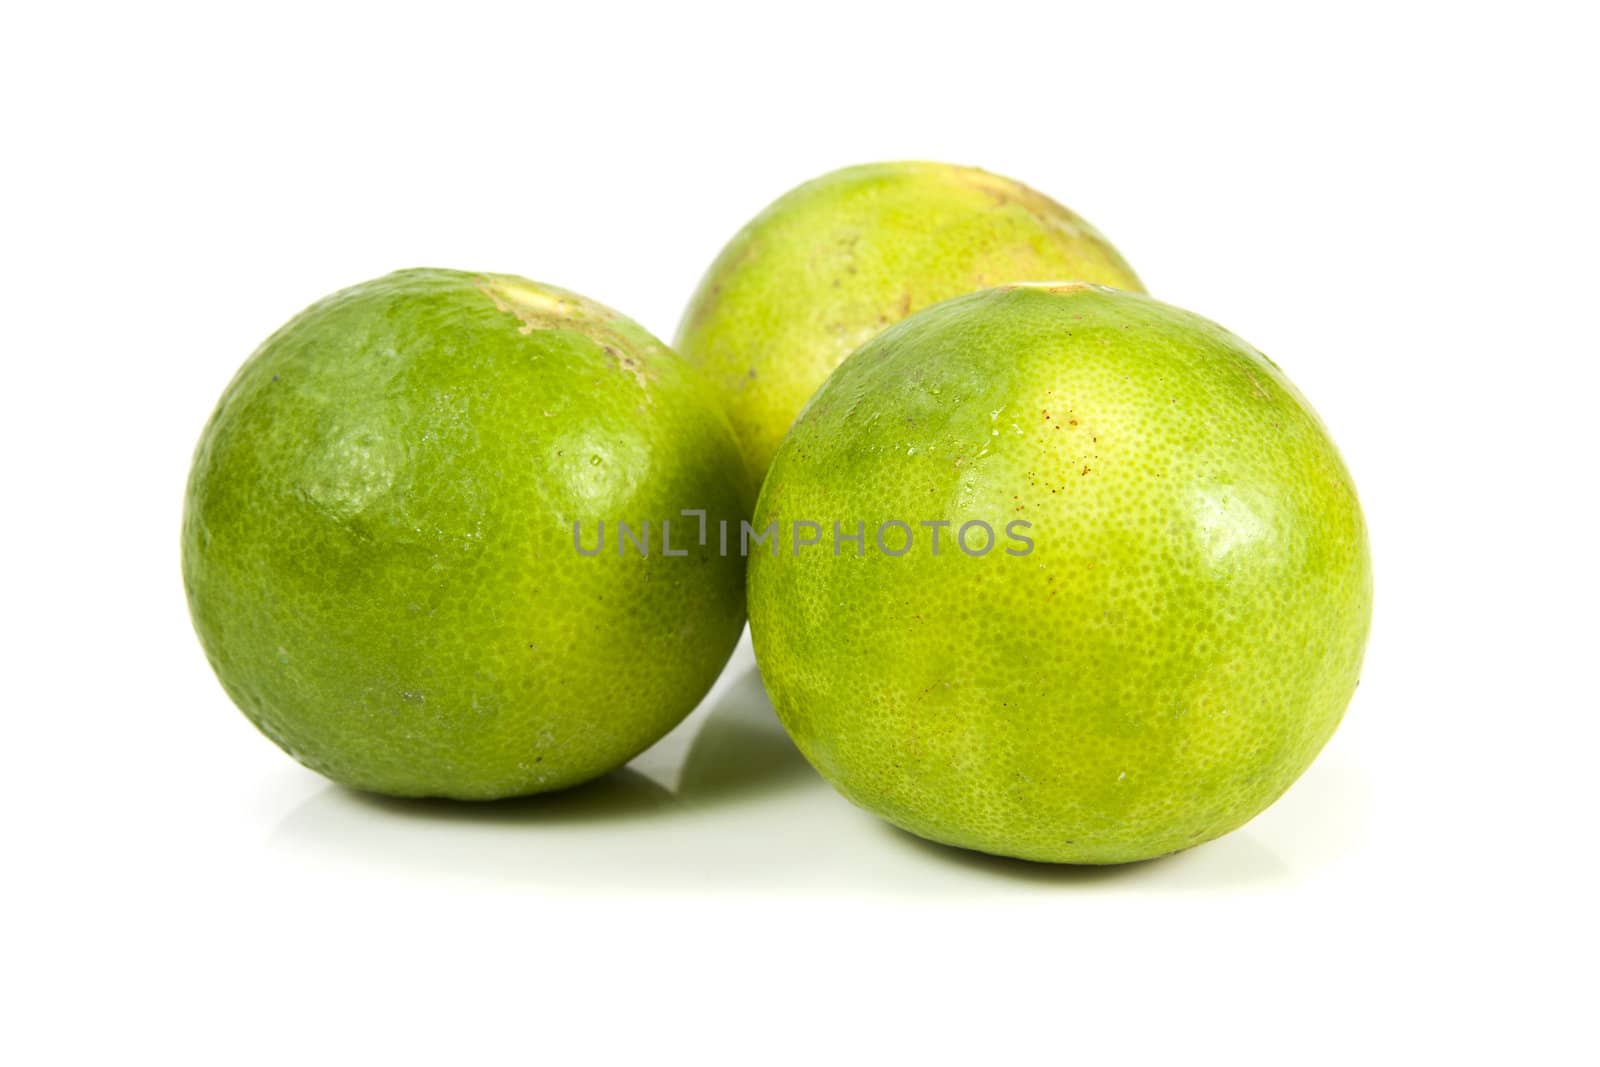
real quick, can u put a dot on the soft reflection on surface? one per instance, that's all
(726, 802)
(741, 751)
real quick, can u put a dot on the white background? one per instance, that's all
(1396, 202)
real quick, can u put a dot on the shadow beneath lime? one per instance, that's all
(741, 751)
(1235, 861)
(983, 863)
(594, 835)
(619, 795)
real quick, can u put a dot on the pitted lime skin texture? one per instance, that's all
(378, 541)
(1173, 651)
(831, 263)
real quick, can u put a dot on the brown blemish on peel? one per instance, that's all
(1007, 191)
(629, 364)
(537, 309)
(534, 309)
(1059, 288)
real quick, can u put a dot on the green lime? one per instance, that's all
(1148, 608)
(833, 262)
(382, 533)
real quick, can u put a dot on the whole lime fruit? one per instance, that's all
(1144, 613)
(382, 530)
(833, 262)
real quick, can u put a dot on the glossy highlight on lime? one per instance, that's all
(1170, 656)
(377, 537)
